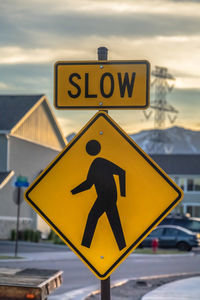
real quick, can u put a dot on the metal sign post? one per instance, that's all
(105, 284)
(105, 289)
(18, 199)
(18, 216)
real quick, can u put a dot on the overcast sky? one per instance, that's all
(36, 33)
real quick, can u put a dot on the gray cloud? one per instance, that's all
(27, 78)
(33, 27)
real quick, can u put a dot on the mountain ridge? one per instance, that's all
(172, 140)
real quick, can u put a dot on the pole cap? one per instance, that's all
(102, 53)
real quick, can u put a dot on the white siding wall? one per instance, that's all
(3, 153)
(191, 198)
(26, 159)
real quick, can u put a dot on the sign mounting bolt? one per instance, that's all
(101, 132)
(100, 103)
(102, 257)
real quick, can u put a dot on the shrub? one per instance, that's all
(26, 235)
(36, 236)
(13, 235)
(51, 235)
(21, 235)
(58, 241)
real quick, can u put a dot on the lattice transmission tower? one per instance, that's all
(163, 83)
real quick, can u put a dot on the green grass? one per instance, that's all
(10, 257)
(159, 251)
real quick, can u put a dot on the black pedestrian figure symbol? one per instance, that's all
(101, 174)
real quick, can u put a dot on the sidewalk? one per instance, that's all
(184, 289)
(41, 256)
(60, 255)
(183, 286)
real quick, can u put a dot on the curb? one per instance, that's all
(15, 259)
(85, 293)
(81, 294)
(142, 280)
(163, 255)
(37, 256)
(41, 256)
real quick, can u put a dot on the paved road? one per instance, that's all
(76, 275)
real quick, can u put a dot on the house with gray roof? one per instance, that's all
(184, 169)
(30, 138)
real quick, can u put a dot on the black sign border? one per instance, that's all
(114, 125)
(102, 63)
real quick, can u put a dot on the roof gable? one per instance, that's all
(40, 126)
(14, 107)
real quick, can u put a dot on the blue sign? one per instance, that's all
(21, 182)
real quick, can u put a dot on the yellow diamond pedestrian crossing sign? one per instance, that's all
(103, 195)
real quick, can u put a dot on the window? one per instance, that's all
(190, 184)
(197, 184)
(182, 233)
(194, 225)
(182, 183)
(180, 222)
(170, 232)
(187, 223)
(193, 184)
(196, 212)
(157, 232)
(189, 210)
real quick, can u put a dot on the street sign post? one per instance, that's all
(102, 84)
(21, 182)
(103, 195)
